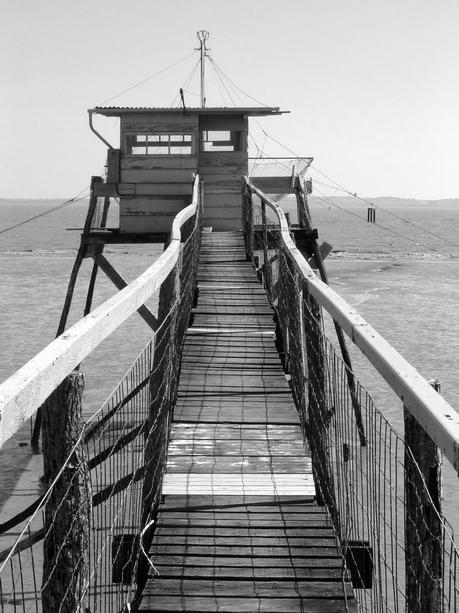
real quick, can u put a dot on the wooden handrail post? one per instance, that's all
(248, 220)
(67, 514)
(423, 526)
(266, 267)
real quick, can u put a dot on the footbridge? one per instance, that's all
(239, 465)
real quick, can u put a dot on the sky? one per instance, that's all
(372, 86)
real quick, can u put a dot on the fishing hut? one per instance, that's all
(162, 149)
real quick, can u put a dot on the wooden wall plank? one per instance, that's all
(225, 185)
(223, 122)
(159, 223)
(221, 200)
(167, 122)
(223, 158)
(166, 189)
(150, 162)
(157, 175)
(235, 170)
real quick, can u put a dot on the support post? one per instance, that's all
(91, 287)
(266, 266)
(247, 221)
(423, 526)
(68, 508)
(120, 283)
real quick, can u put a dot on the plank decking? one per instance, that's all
(238, 529)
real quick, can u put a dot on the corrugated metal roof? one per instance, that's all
(245, 110)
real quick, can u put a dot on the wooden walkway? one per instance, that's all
(238, 529)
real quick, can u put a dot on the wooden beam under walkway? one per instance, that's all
(239, 529)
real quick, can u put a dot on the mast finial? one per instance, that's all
(202, 36)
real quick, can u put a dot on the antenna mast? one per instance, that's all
(203, 35)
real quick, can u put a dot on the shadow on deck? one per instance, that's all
(238, 529)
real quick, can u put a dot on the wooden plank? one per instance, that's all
(265, 379)
(234, 361)
(161, 123)
(266, 551)
(224, 122)
(223, 159)
(218, 320)
(165, 162)
(216, 175)
(238, 464)
(221, 208)
(255, 564)
(255, 400)
(235, 415)
(232, 521)
(234, 484)
(289, 517)
(244, 502)
(236, 448)
(176, 188)
(143, 224)
(152, 205)
(243, 340)
(237, 572)
(197, 360)
(157, 175)
(210, 604)
(215, 540)
(284, 589)
(221, 431)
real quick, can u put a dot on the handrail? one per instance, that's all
(432, 411)
(27, 389)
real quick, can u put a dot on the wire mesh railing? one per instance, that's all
(381, 487)
(82, 545)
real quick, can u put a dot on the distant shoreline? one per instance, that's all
(393, 256)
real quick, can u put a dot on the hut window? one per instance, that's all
(158, 144)
(220, 140)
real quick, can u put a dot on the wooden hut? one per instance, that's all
(160, 151)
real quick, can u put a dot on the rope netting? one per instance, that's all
(83, 545)
(398, 548)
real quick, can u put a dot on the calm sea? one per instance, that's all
(403, 280)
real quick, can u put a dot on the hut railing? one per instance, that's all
(80, 546)
(381, 487)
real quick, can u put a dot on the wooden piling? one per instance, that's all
(68, 508)
(423, 526)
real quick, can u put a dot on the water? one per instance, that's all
(35, 264)
(406, 287)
